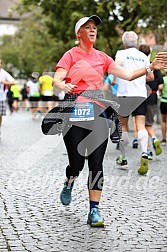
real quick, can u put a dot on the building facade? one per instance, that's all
(9, 19)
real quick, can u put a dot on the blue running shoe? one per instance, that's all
(65, 195)
(149, 154)
(94, 218)
(135, 144)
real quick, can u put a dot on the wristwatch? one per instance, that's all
(148, 69)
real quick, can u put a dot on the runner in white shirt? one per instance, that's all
(5, 79)
(132, 58)
(34, 93)
(132, 96)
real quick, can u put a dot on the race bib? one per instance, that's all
(82, 112)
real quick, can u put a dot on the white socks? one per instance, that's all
(123, 143)
(143, 138)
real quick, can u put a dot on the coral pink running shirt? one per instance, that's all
(86, 70)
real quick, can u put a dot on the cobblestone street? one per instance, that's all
(33, 219)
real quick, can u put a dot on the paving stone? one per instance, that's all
(32, 218)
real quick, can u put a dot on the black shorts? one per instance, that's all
(131, 105)
(150, 113)
(163, 108)
(24, 98)
(47, 98)
(34, 101)
(140, 110)
(15, 98)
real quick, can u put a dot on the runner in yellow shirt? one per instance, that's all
(16, 96)
(46, 89)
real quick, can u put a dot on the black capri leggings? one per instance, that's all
(93, 137)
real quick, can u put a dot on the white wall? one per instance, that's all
(7, 29)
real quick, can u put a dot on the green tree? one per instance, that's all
(32, 48)
(117, 16)
(48, 30)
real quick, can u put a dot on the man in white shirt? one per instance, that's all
(5, 79)
(132, 96)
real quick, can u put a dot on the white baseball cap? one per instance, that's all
(83, 20)
(35, 75)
